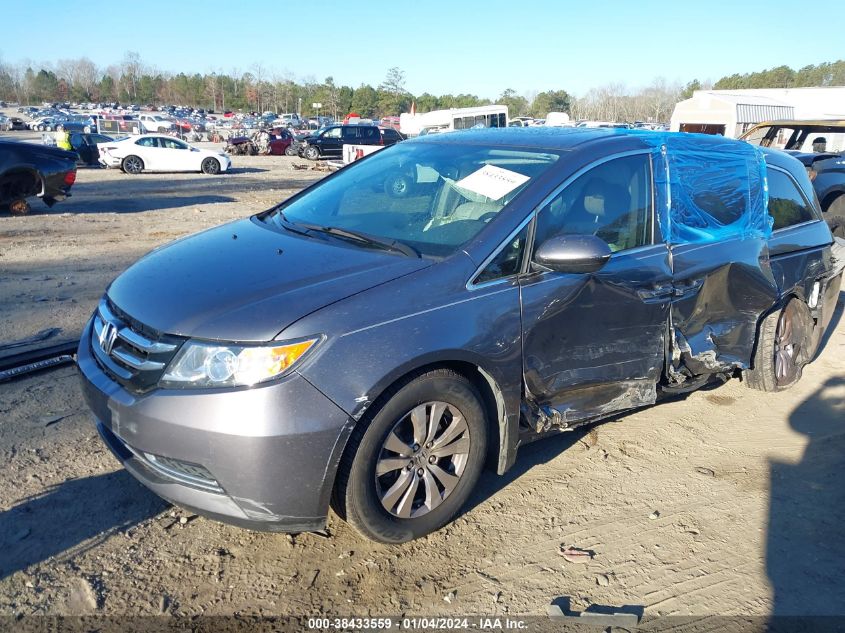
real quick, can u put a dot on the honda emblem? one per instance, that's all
(107, 337)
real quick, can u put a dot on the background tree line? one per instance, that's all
(260, 88)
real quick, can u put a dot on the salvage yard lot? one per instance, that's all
(726, 502)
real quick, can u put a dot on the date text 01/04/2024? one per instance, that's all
(414, 623)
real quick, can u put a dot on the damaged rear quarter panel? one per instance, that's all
(722, 289)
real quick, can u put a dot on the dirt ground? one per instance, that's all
(727, 502)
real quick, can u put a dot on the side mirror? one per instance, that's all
(573, 254)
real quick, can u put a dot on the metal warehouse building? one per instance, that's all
(732, 112)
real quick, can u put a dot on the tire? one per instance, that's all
(312, 153)
(428, 471)
(784, 346)
(87, 129)
(210, 166)
(132, 165)
(835, 216)
(398, 186)
(290, 150)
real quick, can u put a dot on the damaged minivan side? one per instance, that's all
(369, 347)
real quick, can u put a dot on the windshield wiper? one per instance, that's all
(282, 222)
(364, 238)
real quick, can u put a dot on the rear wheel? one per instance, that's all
(408, 471)
(783, 348)
(835, 216)
(132, 165)
(210, 166)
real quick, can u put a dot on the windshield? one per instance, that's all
(431, 197)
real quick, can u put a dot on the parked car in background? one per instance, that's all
(16, 123)
(523, 284)
(29, 170)
(80, 123)
(390, 122)
(521, 121)
(820, 146)
(5, 124)
(329, 142)
(156, 123)
(280, 140)
(298, 137)
(390, 136)
(45, 124)
(154, 152)
(85, 144)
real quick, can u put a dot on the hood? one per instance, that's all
(246, 282)
(808, 158)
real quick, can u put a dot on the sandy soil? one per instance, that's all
(727, 502)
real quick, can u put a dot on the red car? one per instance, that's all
(280, 140)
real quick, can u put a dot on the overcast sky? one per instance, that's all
(443, 47)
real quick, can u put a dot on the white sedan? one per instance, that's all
(156, 152)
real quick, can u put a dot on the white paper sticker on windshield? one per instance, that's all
(492, 182)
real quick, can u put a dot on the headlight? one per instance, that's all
(212, 365)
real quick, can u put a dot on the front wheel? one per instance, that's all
(784, 346)
(210, 166)
(87, 129)
(132, 165)
(312, 153)
(290, 150)
(408, 471)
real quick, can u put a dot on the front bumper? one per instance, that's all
(261, 458)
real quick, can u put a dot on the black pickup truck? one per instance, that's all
(28, 170)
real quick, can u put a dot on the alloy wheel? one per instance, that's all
(422, 459)
(133, 165)
(786, 348)
(210, 166)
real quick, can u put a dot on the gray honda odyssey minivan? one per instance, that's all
(370, 343)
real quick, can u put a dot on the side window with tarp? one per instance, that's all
(712, 189)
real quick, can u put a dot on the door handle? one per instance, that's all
(688, 287)
(662, 291)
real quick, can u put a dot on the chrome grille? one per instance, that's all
(127, 351)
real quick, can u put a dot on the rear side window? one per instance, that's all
(716, 190)
(786, 204)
